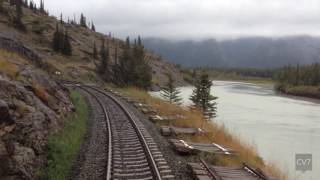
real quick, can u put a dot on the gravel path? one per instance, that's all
(92, 159)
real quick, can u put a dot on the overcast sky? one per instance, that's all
(196, 19)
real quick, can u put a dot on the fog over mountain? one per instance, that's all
(254, 52)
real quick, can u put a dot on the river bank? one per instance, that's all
(310, 92)
(302, 91)
(261, 116)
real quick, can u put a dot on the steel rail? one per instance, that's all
(151, 160)
(105, 114)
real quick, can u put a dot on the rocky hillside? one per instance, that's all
(80, 65)
(32, 106)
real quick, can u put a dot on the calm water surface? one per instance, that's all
(278, 126)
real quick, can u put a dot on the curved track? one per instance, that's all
(132, 153)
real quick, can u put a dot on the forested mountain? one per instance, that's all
(254, 52)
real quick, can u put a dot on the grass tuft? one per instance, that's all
(65, 145)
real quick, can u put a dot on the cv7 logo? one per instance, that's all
(304, 162)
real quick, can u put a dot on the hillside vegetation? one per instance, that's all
(39, 30)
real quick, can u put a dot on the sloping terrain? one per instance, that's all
(80, 66)
(32, 106)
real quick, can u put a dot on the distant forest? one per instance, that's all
(262, 53)
(306, 75)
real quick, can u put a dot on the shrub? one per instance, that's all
(41, 93)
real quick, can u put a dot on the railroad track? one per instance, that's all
(132, 153)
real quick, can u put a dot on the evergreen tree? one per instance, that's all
(104, 61)
(170, 92)
(83, 21)
(125, 70)
(26, 3)
(95, 52)
(297, 80)
(56, 39)
(115, 67)
(194, 76)
(1, 5)
(202, 98)
(61, 19)
(42, 6)
(143, 70)
(61, 42)
(31, 5)
(66, 50)
(93, 28)
(18, 10)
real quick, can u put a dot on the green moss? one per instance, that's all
(64, 146)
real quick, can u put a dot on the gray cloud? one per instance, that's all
(190, 19)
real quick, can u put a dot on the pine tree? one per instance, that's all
(66, 50)
(125, 70)
(61, 19)
(95, 52)
(202, 98)
(1, 5)
(25, 3)
(61, 42)
(42, 6)
(143, 70)
(31, 5)
(56, 39)
(18, 10)
(170, 92)
(104, 61)
(297, 80)
(194, 76)
(83, 21)
(115, 67)
(93, 28)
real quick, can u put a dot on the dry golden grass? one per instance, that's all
(8, 68)
(9, 63)
(217, 134)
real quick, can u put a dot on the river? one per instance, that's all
(280, 127)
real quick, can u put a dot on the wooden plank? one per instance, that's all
(203, 170)
(158, 118)
(195, 148)
(174, 130)
(165, 130)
